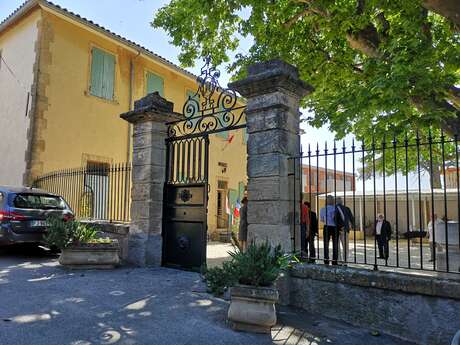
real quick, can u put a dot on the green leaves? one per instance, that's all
(62, 234)
(259, 265)
(390, 57)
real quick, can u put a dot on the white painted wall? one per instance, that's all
(17, 46)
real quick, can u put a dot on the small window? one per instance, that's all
(154, 83)
(102, 74)
(97, 168)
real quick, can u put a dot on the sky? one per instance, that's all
(132, 18)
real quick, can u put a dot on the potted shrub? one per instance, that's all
(250, 276)
(80, 246)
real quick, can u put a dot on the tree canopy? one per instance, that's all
(377, 66)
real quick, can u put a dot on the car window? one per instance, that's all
(36, 201)
(1, 197)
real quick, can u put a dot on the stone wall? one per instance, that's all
(415, 308)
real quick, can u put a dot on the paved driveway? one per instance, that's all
(42, 303)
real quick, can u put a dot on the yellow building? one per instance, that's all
(65, 80)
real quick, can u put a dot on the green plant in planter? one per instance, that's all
(259, 265)
(62, 234)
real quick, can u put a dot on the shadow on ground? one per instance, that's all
(43, 303)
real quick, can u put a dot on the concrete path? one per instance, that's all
(42, 303)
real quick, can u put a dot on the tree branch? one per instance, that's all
(454, 96)
(450, 125)
(449, 9)
(296, 17)
(366, 41)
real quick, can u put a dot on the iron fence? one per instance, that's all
(410, 183)
(97, 192)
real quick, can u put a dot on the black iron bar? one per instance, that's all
(407, 200)
(396, 199)
(353, 187)
(364, 199)
(375, 204)
(311, 230)
(384, 187)
(433, 232)
(458, 187)
(417, 139)
(445, 200)
(317, 198)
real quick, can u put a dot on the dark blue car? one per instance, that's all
(23, 214)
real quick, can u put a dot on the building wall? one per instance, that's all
(18, 49)
(335, 180)
(234, 155)
(81, 127)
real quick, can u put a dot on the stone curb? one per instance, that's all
(412, 284)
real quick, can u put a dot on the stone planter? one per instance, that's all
(252, 309)
(91, 256)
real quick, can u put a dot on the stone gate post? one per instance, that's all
(273, 91)
(149, 119)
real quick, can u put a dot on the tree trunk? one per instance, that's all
(436, 177)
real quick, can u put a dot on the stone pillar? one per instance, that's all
(273, 91)
(149, 119)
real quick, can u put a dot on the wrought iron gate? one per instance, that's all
(209, 110)
(186, 200)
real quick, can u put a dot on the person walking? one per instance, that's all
(345, 221)
(382, 232)
(327, 216)
(311, 233)
(243, 230)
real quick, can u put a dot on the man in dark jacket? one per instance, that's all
(382, 231)
(312, 230)
(345, 222)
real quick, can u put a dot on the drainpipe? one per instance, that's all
(131, 101)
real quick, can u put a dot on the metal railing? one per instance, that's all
(411, 183)
(98, 192)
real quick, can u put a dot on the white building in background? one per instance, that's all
(406, 211)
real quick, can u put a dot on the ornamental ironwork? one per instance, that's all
(185, 195)
(211, 109)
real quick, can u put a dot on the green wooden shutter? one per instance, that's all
(102, 74)
(245, 136)
(97, 72)
(223, 135)
(155, 83)
(241, 190)
(192, 95)
(232, 197)
(108, 82)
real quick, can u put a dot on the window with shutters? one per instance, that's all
(102, 74)
(154, 83)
